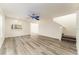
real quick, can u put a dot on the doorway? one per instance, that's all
(34, 28)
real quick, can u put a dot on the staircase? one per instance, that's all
(68, 38)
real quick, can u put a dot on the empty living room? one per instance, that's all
(39, 28)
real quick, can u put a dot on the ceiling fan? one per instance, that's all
(35, 16)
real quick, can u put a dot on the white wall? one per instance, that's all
(50, 29)
(77, 33)
(69, 22)
(16, 32)
(2, 27)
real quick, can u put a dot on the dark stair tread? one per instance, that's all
(68, 39)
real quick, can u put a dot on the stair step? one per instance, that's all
(68, 39)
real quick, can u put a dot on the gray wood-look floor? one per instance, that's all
(37, 45)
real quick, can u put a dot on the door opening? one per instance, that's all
(34, 28)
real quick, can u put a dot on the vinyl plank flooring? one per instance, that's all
(37, 45)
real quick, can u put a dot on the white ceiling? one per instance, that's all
(45, 10)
